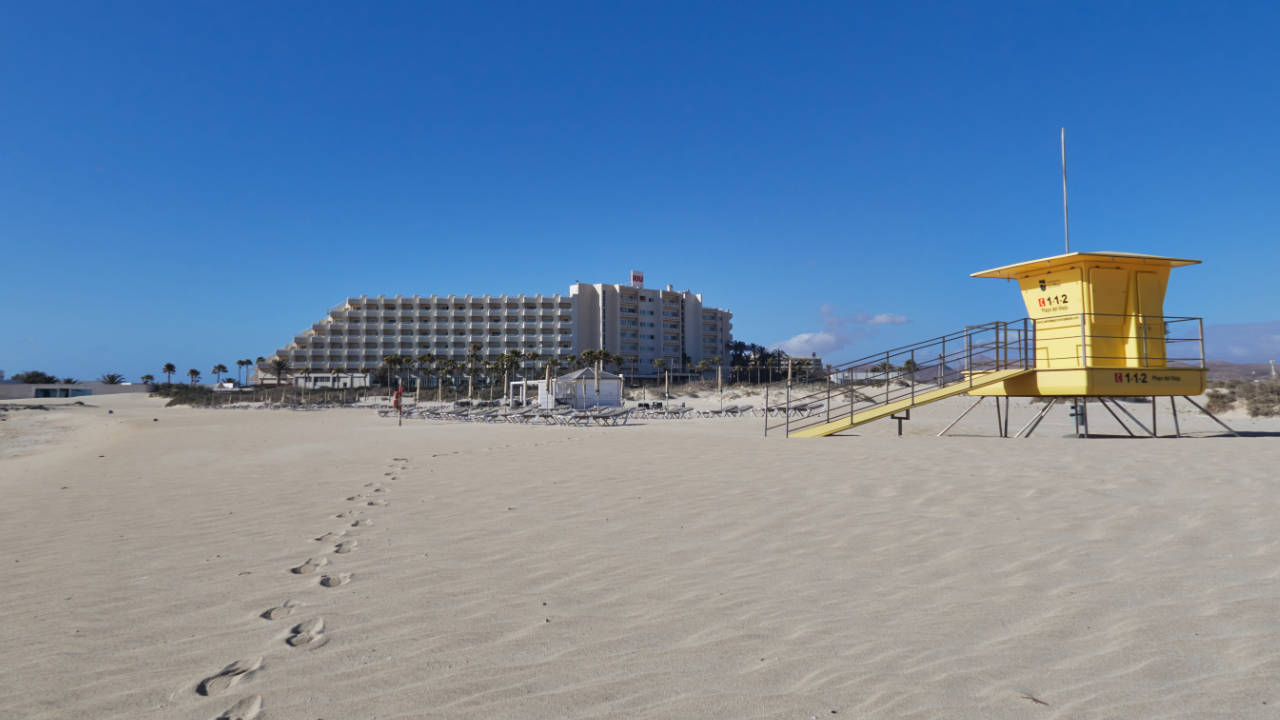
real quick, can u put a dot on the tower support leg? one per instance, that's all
(1114, 415)
(966, 412)
(1031, 425)
(1135, 420)
(1211, 415)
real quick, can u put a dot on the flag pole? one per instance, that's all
(1066, 231)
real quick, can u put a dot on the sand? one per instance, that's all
(666, 569)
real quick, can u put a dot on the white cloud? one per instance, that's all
(887, 319)
(810, 343)
(838, 331)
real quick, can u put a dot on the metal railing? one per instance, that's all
(1121, 340)
(903, 373)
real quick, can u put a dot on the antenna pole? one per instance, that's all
(1066, 231)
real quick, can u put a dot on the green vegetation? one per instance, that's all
(34, 377)
(279, 366)
(1260, 399)
(110, 378)
(193, 395)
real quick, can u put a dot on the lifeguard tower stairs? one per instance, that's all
(1095, 329)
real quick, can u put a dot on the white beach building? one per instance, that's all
(579, 389)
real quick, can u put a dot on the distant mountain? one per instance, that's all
(1243, 342)
(1219, 370)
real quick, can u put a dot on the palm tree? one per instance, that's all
(514, 356)
(194, 374)
(702, 368)
(490, 369)
(217, 372)
(240, 365)
(279, 366)
(110, 378)
(431, 363)
(473, 359)
(659, 364)
(393, 363)
(147, 379)
(451, 368)
(531, 359)
(169, 369)
(406, 366)
(799, 367)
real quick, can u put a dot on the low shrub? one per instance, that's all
(1260, 399)
(193, 395)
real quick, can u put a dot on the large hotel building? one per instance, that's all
(638, 323)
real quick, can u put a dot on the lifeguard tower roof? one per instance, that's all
(1018, 269)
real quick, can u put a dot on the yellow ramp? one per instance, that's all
(973, 382)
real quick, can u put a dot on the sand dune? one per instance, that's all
(662, 569)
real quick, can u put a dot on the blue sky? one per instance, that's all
(197, 182)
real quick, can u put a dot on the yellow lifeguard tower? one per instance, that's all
(1095, 329)
(1099, 328)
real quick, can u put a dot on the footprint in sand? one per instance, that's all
(247, 709)
(310, 566)
(343, 548)
(284, 609)
(376, 503)
(379, 489)
(309, 634)
(353, 498)
(364, 522)
(229, 676)
(350, 514)
(332, 581)
(329, 537)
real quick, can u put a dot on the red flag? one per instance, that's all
(396, 403)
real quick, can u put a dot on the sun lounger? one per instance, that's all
(615, 416)
(522, 416)
(724, 412)
(577, 417)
